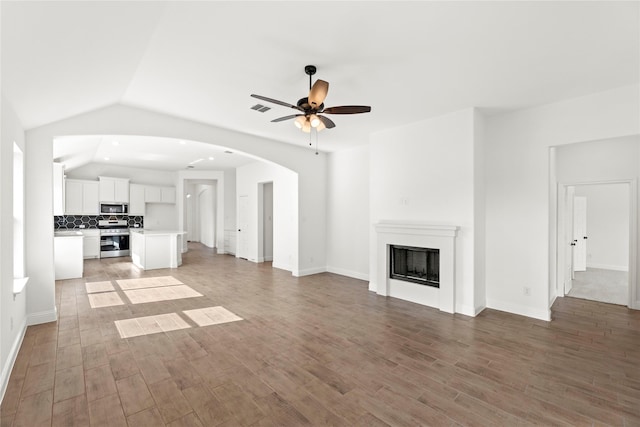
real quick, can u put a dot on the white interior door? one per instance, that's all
(580, 233)
(243, 227)
(568, 243)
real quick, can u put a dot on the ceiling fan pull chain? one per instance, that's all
(316, 142)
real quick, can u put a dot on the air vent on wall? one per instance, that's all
(261, 108)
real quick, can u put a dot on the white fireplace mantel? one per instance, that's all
(423, 235)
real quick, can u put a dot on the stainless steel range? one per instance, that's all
(114, 238)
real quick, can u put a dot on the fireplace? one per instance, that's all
(417, 265)
(439, 239)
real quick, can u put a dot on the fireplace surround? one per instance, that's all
(417, 235)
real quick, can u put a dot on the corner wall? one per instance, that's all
(13, 314)
(348, 212)
(517, 189)
(426, 171)
(285, 200)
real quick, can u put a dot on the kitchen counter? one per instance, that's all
(153, 249)
(67, 254)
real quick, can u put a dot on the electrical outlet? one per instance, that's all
(527, 291)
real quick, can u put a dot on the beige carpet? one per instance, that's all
(601, 285)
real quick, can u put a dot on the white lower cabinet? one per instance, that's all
(91, 244)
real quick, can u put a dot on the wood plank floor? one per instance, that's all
(318, 350)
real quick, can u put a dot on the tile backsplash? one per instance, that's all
(74, 222)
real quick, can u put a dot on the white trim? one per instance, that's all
(279, 266)
(42, 317)
(310, 271)
(19, 284)
(468, 310)
(423, 235)
(632, 301)
(268, 258)
(608, 267)
(349, 273)
(11, 360)
(520, 310)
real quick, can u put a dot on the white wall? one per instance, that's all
(285, 201)
(160, 216)
(348, 212)
(518, 209)
(230, 199)
(607, 225)
(13, 314)
(426, 172)
(92, 171)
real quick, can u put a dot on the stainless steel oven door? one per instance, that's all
(114, 245)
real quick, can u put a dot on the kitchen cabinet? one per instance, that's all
(136, 199)
(81, 197)
(67, 254)
(114, 189)
(91, 244)
(153, 194)
(58, 189)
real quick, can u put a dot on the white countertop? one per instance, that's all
(68, 234)
(156, 232)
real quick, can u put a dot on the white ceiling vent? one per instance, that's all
(261, 108)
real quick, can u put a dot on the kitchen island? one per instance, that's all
(152, 249)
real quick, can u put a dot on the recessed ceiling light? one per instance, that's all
(211, 158)
(181, 142)
(106, 158)
(115, 143)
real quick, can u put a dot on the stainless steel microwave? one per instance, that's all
(114, 208)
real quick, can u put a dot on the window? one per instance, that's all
(18, 218)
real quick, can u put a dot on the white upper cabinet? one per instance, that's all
(154, 194)
(114, 190)
(136, 199)
(81, 197)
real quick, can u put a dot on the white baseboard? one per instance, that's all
(373, 287)
(42, 317)
(348, 273)
(536, 313)
(268, 258)
(11, 360)
(281, 267)
(309, 271)
(468, 310)
(609, 267)
(220, 251)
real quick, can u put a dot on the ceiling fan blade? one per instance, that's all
(275, 101)
(318, 93)
(348, 109)
(328, 123)
(282, 119)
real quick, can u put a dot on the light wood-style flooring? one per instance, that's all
(318, 350)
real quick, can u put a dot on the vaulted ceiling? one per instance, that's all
(408, 60)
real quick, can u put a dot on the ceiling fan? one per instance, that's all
(311, 108)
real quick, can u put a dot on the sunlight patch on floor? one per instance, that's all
(140, 296)
(106, 299)
(150, 325)
(211, 316)
(148, 282)
(99, 287)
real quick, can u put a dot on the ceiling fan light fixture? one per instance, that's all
(320, 126)
(299, 122)
(314, 120)
(306, 126)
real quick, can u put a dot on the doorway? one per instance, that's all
(265, 206)
(595, 221)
